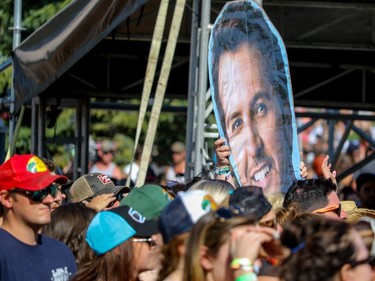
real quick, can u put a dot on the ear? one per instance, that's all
(346, 273)
(6, 199)
(158, 239)
(63, 195)
(205, 259)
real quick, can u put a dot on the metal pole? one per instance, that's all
(41, 147)
(34, 125)
(192, 92)
(331, 136)
(336, 155)
(16, 41)
(3, 131)
(85, 134)
(77, 172)
(202, 85)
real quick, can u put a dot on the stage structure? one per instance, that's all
(330, 45)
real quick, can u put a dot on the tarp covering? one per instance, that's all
(57, 45)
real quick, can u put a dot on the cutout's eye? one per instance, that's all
(260, 110)
(237, 123)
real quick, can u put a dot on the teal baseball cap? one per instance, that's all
(110, 228)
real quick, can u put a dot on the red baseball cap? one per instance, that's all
(27, 172)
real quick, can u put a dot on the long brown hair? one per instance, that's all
(69, 224)
(115, 265)
(171, 255)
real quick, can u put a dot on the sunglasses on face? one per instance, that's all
(108, 152)
(39, 195)
(333, 208)
(151, 243)
(369, 260)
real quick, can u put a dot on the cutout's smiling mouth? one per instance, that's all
(261, 174)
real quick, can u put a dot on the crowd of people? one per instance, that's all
(103, 161)
(204, 229)
(314, 144)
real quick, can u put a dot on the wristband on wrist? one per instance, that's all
(251, 276)
(222, 170)
(242, 264)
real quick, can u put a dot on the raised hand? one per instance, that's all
(326, 169)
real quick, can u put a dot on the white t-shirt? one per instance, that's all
(135, 170)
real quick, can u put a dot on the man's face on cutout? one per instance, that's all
(253, 118)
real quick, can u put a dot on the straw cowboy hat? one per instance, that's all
(355, 213)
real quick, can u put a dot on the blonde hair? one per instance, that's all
(292, 213)
(211, 232)
(218, 189)
(276, 200)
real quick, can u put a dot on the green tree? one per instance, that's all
(118, 125)
(34, 14)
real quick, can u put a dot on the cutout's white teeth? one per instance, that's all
(259, 176)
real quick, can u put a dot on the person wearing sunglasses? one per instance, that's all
(27, 191)
(175, 172)
(149, 200)
(323, 249)
(105, 162)
(60, 195)
(117, 236)
(316, 196)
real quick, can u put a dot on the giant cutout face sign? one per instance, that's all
(252, 96)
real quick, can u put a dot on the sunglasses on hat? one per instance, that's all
(334, 209)
(39, 195)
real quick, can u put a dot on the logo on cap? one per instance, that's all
(104, 179)
(208, 203)
(35, 165)
(136, 216)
